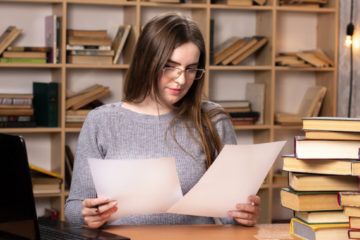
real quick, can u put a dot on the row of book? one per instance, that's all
(249, 111)
(323, 169)
(304, 59)
(45, 181)
(40, 108)
(310, 106)
(235, 49)
(83, 46)
(95, 46)
(303, 3)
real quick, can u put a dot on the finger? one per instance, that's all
(106, 207)
(242, 215)
(92, 202)
(247, 208)
(100, 219)
(255, 200)
(245, 222)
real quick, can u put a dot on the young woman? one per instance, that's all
(161, 115)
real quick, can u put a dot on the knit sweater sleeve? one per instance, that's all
(82, 185)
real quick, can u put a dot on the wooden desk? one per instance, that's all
(208, 232)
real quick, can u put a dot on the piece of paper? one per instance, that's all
(237, 173)
(140, 186)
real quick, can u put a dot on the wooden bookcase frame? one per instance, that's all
(202, 11)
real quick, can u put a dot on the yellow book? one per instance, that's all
(43, 171)
(322, 231)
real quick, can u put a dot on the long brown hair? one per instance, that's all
(160, 36)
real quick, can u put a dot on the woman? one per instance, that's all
(161, 114)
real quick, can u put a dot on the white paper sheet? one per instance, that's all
(139, 186)
(238, 172)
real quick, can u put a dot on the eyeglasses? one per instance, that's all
(175, 72)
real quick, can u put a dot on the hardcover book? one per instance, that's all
(321, 166)
(326, 149)
(302, 230)
(46, 103)
(119, 41)
(337, 216)
(309, 200)
(332, 124)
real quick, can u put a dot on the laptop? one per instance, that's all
(18, 218)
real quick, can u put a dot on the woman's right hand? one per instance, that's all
(97, 211)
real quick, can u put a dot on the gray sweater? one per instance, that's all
(113, 132)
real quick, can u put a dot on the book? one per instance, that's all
(354, 222)
(259, 2)
(309, 200)
(46, 184)
(46, 103)
(28, 49)
(69, 155)
(16, 111)
(234, 103)
(12, 106)
(239, 115)
(98, 60)
(354, 233)
(92, 52)
(332, 124)
(239, 2)
(226, 48)
(37, 171)
(317, 182)
(255, 94)
(86, 101)
(14, 118)
(85, 93)
(248, 43)
(310, 107)
(52, 37)
(119, 41)
(238, 110)
(312, 59)
(321, 166)
(302, 230)
(331, 135)
(89, 41)
(8, 36)
(87, 33)
(350, 199)
(290, 61)
(86, 47)
(351, 211)
(326, 149)
(22, 60)
(256, 47)
(337, 216)
(25, 54)
(17, 124)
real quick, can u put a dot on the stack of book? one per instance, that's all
(240, 112)
(89, 47)
(44, 181)
(16, 110)
(350, 201)
(310, 106)
(242, 2)
(76, 102)
(303, 3)
(307, 59)
(25, 54)
(235, 49)
(325, 163)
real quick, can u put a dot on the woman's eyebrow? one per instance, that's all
(176, 63)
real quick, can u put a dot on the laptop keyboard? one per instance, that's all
(48, 233)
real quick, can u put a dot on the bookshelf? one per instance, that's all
(287, 28)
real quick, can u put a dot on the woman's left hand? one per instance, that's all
(247, 214)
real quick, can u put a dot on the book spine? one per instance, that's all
(46, 104)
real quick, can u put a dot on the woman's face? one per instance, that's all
(183, 60)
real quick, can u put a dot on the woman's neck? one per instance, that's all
(148, 106)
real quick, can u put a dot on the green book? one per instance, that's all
(46, 104)
(23, 60)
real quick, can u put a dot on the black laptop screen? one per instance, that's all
(17, 212)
